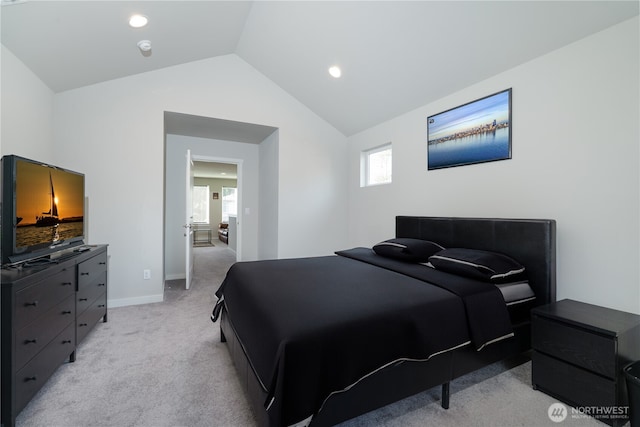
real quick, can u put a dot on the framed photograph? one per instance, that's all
(216, 196)
(477, 132)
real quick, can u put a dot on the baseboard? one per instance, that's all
(175, 276)
(123, 302)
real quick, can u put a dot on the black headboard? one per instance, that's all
(532, 242)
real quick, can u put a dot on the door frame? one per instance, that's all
(238, 162)
(188, 226)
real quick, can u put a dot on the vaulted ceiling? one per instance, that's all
(395, 56)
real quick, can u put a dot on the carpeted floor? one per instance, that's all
(163, 364)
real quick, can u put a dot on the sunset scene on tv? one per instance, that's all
(49, 204)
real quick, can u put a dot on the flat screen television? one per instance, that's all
(42, 209)
(476, 132)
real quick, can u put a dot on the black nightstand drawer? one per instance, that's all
(573, 385)
(579, 350)
(585, 349)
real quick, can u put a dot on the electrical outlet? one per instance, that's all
(146, 274)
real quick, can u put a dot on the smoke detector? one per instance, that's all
(144, 45)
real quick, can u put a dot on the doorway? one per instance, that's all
(254, 149)
(216, 200)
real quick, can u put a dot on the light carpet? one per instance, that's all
(163, 364)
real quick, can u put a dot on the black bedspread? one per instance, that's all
(487, 314)
(313, 326)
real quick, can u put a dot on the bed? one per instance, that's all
(317, 341)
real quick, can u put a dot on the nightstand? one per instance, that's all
(579, 351)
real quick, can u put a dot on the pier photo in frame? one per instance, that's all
(476, 132)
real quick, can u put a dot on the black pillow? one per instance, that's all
(406, 249)
(477, 264)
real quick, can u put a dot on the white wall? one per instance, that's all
(26, 113)
(177, 146)
(269, 182)
(575, 159)
(114, 132)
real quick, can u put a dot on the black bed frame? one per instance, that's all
(531, 242)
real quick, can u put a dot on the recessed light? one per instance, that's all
(138, 21)
(335, 71)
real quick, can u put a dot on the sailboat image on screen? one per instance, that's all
(49, 219)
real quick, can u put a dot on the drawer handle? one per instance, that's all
(101, 305)
(101, 284)
(82, 299)
(33, 341)
(33, 378)
(66, 312)
(66, 342)
(102, 263)
(82, 324)
(67, 284)
(84, 274)
(34, 303)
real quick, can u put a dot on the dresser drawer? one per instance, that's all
(574, 385)
(579, 347)
(34, 374)
(89, 291)
(37, 299)
(85, 321)
(31, 339)
(90, 269)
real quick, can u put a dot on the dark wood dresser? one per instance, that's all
(91, 296)
(579, 351)
(46, 311)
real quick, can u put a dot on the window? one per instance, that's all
(229, 203)
(376, 166)
(201, 204)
